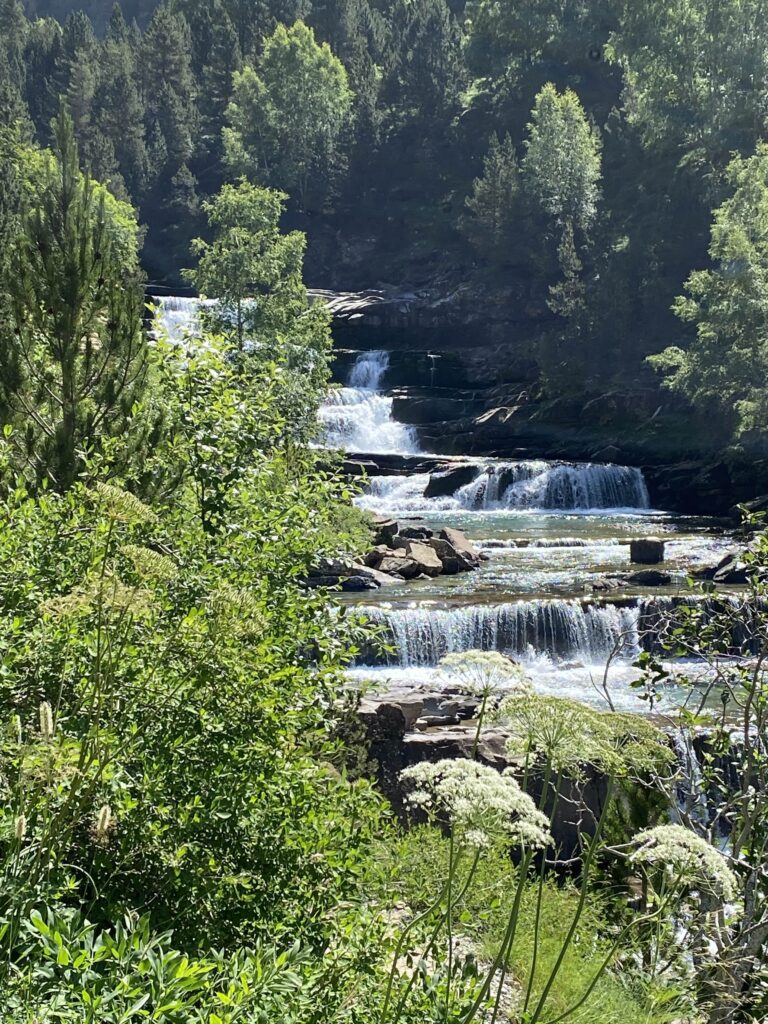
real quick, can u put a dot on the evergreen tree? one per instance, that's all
(723, 371)
(561, 166)
(493, 205)
(13, 37)
(286, 116)
(42, 57)
(74, 355)
(427, 72)
(169, 88)
(119, 111)
(222, 61)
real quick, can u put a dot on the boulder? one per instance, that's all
(730, 569)
(373, 557)
(385, 530)
(442, 485)
(650, 578)
(381, 579)
(453, 562)
(461, 545)
(403, 567)
(353, 584)
(646, 551)
(414, 533)
(425, 558)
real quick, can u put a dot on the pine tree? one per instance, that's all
(13, 37)
(119, 110)
(493, 207)
(168, 86)
(74, 359)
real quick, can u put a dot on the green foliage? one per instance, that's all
(724, 369)
(253, 271)
(493, 205)
(561, 166)
(74, 360)
(691, 71)
(287, 113)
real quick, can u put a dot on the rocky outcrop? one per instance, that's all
(401, 552)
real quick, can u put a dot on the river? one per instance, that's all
(551, 532)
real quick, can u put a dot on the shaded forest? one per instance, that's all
(565, 156)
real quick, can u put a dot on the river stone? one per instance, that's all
(443, 485)
(460, 544)
(356, 584)
(646, 551)
(405, 567)
(453, 562)
(650, 578)
(730, 569)
(381, 579)
(386, 529)
(414, 532)
(425, 558)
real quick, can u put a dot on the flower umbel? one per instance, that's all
(479, 803)
(686, 856)
(485, 671)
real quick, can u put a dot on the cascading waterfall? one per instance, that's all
(527, 485)
(358, 417)
(178, 315)
(422, 635)
(540, 484)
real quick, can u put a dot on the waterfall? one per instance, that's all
(178, 315)
(524, 485)
(358, 417)
(422, 635)
(547, 485)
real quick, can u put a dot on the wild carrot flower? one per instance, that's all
(686, 856)
(479, 803)
(46, 721)
(485, 671)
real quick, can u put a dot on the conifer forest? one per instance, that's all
(383, 495)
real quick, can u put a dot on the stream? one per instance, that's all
(551, 532)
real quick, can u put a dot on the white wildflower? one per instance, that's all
(103, 825)
(477, 802)
(46, 720)
(484, 671)
(686, 856)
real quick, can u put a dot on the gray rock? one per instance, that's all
(650, 578)
(442, 485)
(353, 584)
(425, 558)
(386, 529)
(415, 532)
(382, 579)
(730, 569)
(405, 567)
(646, 551)
(452, 560)
(460, 544)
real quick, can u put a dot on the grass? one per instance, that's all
(412, 869)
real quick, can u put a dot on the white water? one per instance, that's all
(530, 485)
(358, 417)
(423, 634)
(178, 315)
